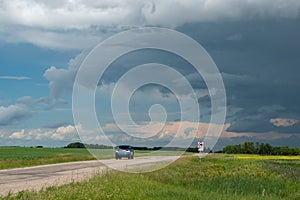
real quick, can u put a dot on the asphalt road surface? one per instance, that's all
(39, 177)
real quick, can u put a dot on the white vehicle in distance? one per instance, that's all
(124, 151)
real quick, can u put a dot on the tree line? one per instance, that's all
(100, 146)
(88, 146)
(260, 148)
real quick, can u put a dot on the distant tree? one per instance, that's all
(75, 145)
(286, 151)
(295, 151)
(142, 148)
(97, 146)
(260, 148)
(158, 148)
(265, 149)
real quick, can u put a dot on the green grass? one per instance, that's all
(214, 177)
(12, 157)
(26, 153)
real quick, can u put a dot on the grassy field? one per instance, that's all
(214, 177)
(12, 157)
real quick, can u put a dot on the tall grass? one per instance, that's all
(214, 177)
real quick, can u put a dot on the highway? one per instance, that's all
(39, 177)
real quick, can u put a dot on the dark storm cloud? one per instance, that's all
(258, 59)
(135, 58)
(259, 62)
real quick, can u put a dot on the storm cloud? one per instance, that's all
(255, 45)
(77, 24)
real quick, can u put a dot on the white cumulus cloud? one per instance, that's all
(66, 129)
(61, 80)
(283, 122)
(64, 133)
(18, 134)
(13, 114)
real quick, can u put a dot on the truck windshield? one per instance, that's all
(124, 147)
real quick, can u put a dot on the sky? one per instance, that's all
(255, 45)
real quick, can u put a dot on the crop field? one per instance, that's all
(214, 177)
(12, 157)
(259, 157)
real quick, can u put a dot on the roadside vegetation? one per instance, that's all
(218, 176)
